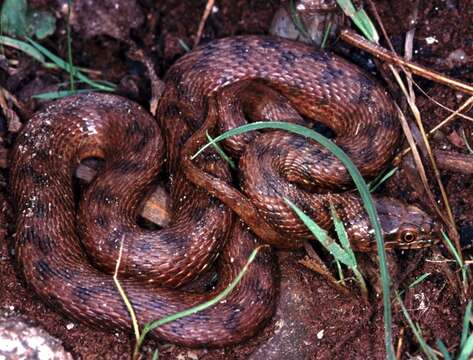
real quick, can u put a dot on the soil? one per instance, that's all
(333, 326)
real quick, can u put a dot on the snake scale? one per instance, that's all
(67, 250)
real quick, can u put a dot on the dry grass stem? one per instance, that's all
(379, 52)
(203, 19)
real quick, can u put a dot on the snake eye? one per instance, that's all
(408, 236)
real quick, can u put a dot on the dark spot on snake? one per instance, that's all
(330, 74)
(114, 238)
(36, 176)
(171, 111)
(84, 294)
(129, 167)
(174, 75)
(101, 221)
(41, 242)
(269, 43)
(287, 58)
(231, 323)
(103, 196)
(175, 243)
(42, 155)
(44, 270)
(240, 50)
(202, 64)
(371, 132)
(134, 128)
(389, 121)
(198, 212)
(318, 56)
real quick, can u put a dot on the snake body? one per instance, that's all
(67, 252)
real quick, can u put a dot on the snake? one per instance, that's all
(67, 247)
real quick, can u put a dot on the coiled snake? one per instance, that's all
(67, 251)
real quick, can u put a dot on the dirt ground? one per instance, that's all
(443, 42)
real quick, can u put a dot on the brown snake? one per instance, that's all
(67, 251)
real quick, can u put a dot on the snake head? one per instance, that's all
(405, 226)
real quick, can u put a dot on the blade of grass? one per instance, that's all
(160, 322)
(427, 350)
(296, 19)
(343, 238)
(365, 196)
(65, 66)
(443, 350)
(361, 19)
(467, 349)
(466, 324)
(458, 258)
(222, 153)
(326, 33)
(322, 236)
(59, 94)
(184, 45)
(26, 48)
(72, 69)
(381, 178)
(419, 280)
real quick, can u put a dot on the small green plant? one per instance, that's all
(463, 267)
(360, 18)
(342, 254)
(17, 21)
(221, 152)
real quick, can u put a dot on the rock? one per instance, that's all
(21, 340)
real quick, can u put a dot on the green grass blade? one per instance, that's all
(467, 349)
(221, 152)
(443, 350)
(326, 34)
(343, 238)
(184, 45)
(361, 20)
(160, 322)
(322, 236)
(65, 66)
(296, 19)
(426, 349)
(72, 69)
(466, 324)
(381, 178)
(365, 196)
(59, 94)
(24, 47)
(457, 257)
(342, 233)
(419, 280)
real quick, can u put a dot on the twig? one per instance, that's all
(203, 19)
(455, 162)
(379, 52)
(447, 120)
(416, 155)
